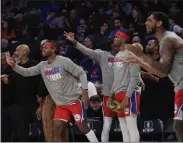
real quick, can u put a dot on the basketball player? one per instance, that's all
(60, 75)
(125, 89)
(106, 62)
(170, 64)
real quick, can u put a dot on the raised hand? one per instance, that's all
(69, 36)
(10, 61)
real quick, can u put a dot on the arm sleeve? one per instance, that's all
(32, 71)
(134, 79)
(93, 54)
(76, 71)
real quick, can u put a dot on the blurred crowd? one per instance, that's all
(94, 24)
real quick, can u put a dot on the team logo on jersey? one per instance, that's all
(77, 117)
(126, 110)
(53, 74)
(115, 62)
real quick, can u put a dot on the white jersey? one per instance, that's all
(176, 73)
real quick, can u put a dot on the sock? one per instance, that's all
(91, 136)
(124, 130)
(132, 128)
(106, 129)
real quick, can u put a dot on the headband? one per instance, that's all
(123, 35)
(49, 44)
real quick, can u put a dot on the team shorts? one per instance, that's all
(178, 112)
(133, 106)
(65, 112)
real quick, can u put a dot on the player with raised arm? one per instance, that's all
(170, 64)
(106, 61)
(61, 77)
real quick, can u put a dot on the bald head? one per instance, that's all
(22, 52)
(24, 49)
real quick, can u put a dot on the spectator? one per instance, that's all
(26, 95)
(20, 26)
(90, 66)
(80, 37)
(117, 26)
(93, 96)
(87, 9)
(115, 13)
(73, 20)
(62, 46)
(51, 19)
(100, 38)
(8, 114)
(136, 39)
(151, 108)
(63, 21)
(126, 7)
(137, 22)
(7, 32)
(91, 24)
(82, 27)
(174, 27)
(99, 17)
(89, 42)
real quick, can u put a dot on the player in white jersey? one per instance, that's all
(170, 64)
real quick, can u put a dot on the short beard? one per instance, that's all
(47, 56)
(152, 31)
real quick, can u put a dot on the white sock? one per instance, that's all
(91, 136)
(124, 129)
(106, 129)
(132, 128)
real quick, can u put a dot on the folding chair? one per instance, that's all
(169, 131)
(151, 129)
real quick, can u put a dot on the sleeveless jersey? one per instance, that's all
(176, 73)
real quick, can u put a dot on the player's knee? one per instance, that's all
(106, 127)
(59, 126)
(107, 124)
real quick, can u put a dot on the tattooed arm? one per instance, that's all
(163, 67)
(160, 69)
